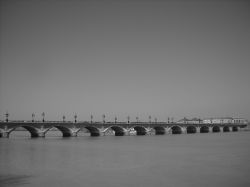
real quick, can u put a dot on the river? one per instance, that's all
(210, 159)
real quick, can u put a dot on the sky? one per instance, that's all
(124, 58)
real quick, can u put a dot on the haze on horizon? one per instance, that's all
(119, 58)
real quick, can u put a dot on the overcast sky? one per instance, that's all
(137, 58)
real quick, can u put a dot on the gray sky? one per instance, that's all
(137, 58)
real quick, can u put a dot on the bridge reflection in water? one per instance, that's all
(70, 129)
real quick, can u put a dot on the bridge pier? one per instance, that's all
(210, 129)
(168, 130)
(73, 134)
(198, 129)
(184, 130)
(126, 132)
(100, 132)
(149, 131)
(74, 131)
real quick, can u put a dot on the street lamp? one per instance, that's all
(91, 118)
(137, 119)
(33, 117)
(6, 115)
(103, 118)
(43, 115)
(128, 118)
(75, 116)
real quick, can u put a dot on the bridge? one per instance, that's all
(71, 129)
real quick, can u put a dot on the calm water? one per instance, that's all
(214, 159)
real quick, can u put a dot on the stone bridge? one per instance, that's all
(69, 129)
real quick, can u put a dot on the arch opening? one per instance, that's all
(32, 131)
(119, 131)
(66, 132)
(216, 129)
(140, 130)
(204, 129)
(191, 129)
(83, 132)
(159, 130)
(93, 131)
(226, 129)
(176, 129)
(234, 129)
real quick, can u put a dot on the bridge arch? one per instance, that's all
(119, 131)
(204, 129)
(226, 129)
(191, 129)
(32, 130)
(176, 129)
(216, 129)
(159, 130)
(66, 132)
(140, 130)
(94, 131)
(235, 128)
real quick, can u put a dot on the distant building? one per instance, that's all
(240, 120)
(189, 121)
(207, 121)
(225, 120)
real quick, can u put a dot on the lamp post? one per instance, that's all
(75, 116)
(6, 116)
(103, 118)
(137, 119)
(185, 120)
(43, 115)
(155, 120)
(91, 118)
(33, 117)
